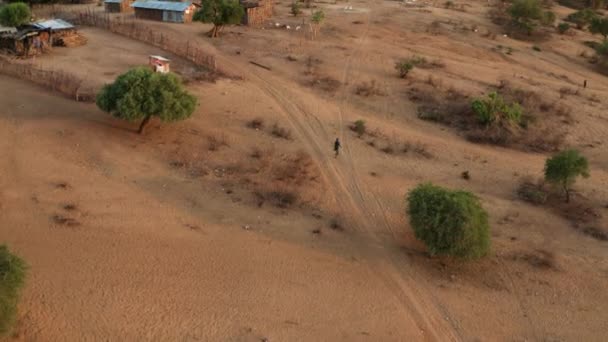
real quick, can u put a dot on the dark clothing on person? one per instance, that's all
(337, 146)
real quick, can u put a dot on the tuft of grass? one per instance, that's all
(359, 128)
(12, 278)
(280, 132)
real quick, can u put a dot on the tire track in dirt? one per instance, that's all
(352, 200)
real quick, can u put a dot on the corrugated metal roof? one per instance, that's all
(53, 24)
(162, 5)
(113, 1)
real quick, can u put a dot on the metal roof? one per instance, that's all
(113, 1)
(53, 24)
(162, 5)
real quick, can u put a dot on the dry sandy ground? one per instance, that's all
(168, 242)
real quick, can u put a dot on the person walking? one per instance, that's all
(337, 146)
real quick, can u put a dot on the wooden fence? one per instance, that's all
(138, 31)
(56, 80)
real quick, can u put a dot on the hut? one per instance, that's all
(62, 32)
(26, 41)
(169, 11)
(257, 11)
(118, 6)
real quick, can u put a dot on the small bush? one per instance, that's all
(367, 89)
(280, 132)
(448, 4)
(536, 48)
(562, 28)
(449, 222)
(404, 67)
(563, 168)
(12, 278)
(295, 8)
(493, 109)
(256, 123)
(582, 18)
(359, 128)
(532, 192)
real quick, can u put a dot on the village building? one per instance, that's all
(118, 6)
(37, 38)
(169, 11)
(257, 11)
(62, 33)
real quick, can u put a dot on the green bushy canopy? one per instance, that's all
(142, 93)
(449, 222)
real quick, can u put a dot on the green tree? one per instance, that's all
(599, 25)
(140, 94)
(219, 13)
(527, 13)
(15, 14)
(12, 277)
(563, 168)
(449, 222)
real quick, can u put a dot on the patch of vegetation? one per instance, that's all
(140, 94)
(532, 192)
(359, 128)
(295, 8)
(562, 28)
(219, 13)
(564, 168)
(527, 14)
(582, 18)
(12, 278)
(449, 222)
(494, 110)
(15, 14)
(256, 123)
(370, 88)
(405, 65)
(536, 48)
(281, 132)
(599, 26)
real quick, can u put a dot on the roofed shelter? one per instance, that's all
(168, 11)
(118, 6)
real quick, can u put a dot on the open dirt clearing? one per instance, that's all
(170, 242)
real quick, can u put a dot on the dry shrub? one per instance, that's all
(540, 258)
(542, 128)
(567, 91)
(280, 132)
(214, 142)
(279, 198)
(298, 170)
(256, 123)
(580, 211)
(325, 84)
(370, 88)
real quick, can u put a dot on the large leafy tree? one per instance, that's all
(219, 13)
(14, 14)
(140, 94)
(563, 168)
